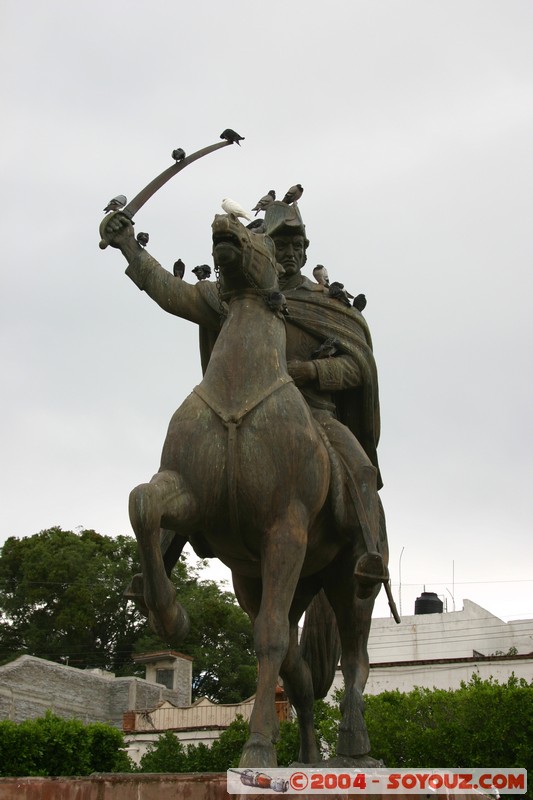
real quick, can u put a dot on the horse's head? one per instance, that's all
(245, 259)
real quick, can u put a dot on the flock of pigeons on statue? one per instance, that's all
(232, 207)
(335, 289)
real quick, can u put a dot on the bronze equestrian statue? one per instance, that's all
(270, 465)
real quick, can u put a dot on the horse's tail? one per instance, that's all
(320, 644)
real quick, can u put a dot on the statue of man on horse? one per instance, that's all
(299, 522)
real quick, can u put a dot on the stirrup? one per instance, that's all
(369, 570)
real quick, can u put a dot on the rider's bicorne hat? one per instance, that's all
(282, 219)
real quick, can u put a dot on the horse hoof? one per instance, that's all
(258, 752)
(172, 626)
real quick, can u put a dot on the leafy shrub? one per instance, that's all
(52, 746)
(482, 724)
(167, 754)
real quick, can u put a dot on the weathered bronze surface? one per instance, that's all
(270, 465)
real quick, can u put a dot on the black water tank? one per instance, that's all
(428, 603)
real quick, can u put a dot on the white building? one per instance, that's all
(442, 649)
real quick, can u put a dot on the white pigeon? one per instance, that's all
(231, 207)
(320, 274)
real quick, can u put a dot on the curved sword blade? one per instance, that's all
(145, 194)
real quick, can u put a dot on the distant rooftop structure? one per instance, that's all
(170, 669)
(455, 634)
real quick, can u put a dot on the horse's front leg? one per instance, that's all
(282, 557)
(166, 499)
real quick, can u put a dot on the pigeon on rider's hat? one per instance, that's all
(233, 208)
(179, 268)
(202, 272)
(264, 202)
(294, 193)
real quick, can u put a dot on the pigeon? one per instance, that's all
(202, 272)
(359, 302)
(265, 201)
(231, 207)
(320, 275)
(294, 194)
(178, 154)
(143, 238)
(257, 226)
(338, 292)
(231, 136)
(116, 203)
(276, 302)
(178, 269)
(327, 349)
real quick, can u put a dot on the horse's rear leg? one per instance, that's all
(354, 617)
(298, 684)
(164, 498)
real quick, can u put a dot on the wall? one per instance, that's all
(30, 686)
(456, 634)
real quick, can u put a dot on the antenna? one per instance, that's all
(452, 593)
(400, 581)
(453, 584)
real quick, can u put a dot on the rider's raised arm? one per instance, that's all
(195, 302)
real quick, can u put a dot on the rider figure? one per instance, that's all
(341, 391)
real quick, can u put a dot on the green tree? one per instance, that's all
(484, 723)
(61, 598)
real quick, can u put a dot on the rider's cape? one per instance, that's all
(323, 317)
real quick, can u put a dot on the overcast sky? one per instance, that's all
(409, 124)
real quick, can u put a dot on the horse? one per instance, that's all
(245, 472)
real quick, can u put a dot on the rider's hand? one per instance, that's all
(117, 230)
(302, 371)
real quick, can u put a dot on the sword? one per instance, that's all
(145, 194)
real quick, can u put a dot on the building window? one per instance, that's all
(165, 677)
